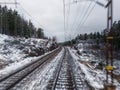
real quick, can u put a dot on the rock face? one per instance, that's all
(3, 63)
(15, 49)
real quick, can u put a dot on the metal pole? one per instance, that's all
(1, 20)
(109, 48)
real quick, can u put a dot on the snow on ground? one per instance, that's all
(95, 56)
(93, 76)
(18, 65)
(117, 66)
(40, 79)
(17, 52)
(92, 79)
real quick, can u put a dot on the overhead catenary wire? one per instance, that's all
(77, 17)
(90, 11)
(24, 11)
(82, 18)
(88, 15)
(32, 18)
(87, 10)
(15, 3)
(68, 17)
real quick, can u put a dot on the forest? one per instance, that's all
(99, 37)
(13, 24)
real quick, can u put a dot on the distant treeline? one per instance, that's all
(99, 37)
(11, 23)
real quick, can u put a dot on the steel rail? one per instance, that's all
(70, 73)
(58, 71)
(28, 69)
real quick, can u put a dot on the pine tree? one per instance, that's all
(40, 33)
(11, 23)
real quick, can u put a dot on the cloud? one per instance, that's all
(49, 13)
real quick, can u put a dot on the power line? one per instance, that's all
(30, 15)
(68, 15)
(88, 15)
(15, 3)
(77, 17)
(85, 19)
(69, 18)
(82, 18)
(85, 13)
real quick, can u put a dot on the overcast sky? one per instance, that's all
(48, 14)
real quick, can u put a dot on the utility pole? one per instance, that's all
(0, 19)
(109, 85)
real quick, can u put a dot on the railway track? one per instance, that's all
(65, 76)
(10, 81)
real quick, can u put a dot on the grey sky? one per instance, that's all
(49, 13)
